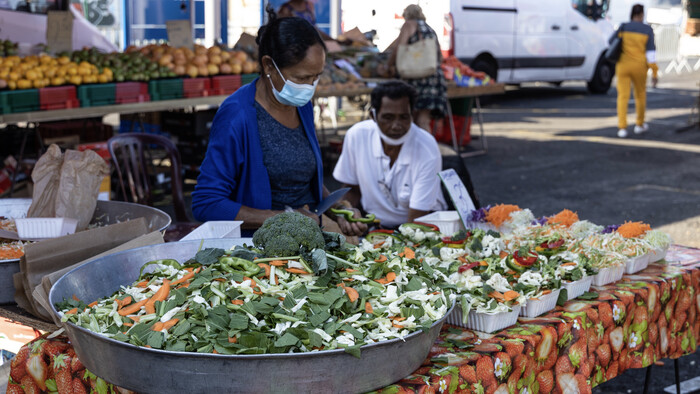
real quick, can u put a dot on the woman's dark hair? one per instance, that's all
(286, 40)
(394, 90)
(637, 9)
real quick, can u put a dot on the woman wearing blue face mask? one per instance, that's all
(263, 155)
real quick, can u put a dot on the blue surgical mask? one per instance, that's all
(292, 93)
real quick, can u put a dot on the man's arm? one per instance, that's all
(413, 214)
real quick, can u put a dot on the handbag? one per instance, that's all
(417, 60)
(612, 54)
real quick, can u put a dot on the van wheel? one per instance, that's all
(487, 66)
(602, 78)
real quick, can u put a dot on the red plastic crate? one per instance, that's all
(58, 97)
(196, 87)
(99, 147)
(442, 132)
(223, 85)
(131, 92)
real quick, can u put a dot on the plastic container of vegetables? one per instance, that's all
(657, 254)
(608, 275)
(576, 288)
(216, 229)
(636, 264)
(537, 306)
(448, 221)
(484, 322)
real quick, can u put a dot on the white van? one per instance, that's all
(518, 41)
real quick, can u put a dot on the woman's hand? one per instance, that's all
(351, 228)
(306, 212)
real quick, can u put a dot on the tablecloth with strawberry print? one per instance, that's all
(645, 317)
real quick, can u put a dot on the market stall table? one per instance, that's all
(645, 317)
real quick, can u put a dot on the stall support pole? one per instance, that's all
(482, 136)
(647, 378)
(678, 378)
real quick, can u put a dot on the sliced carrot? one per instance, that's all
(483, 263)
(278, 263)
(143, 283)
(92, 304)
(74, 297)
(184, 286)
(503, 254)
(184, 278)
(221, 280)
(72, 311)
(266, 268)
(398, 318)
(497, 295)
(237, 302)
(546, 291)
(135, 318)
(128, 324)
(380, 259)
(381, 280)
(157, 327)
(170, 323)
(511, 295)
(350, 270)
(298, 271)
(353, 295)
(462, 260)
(407, 253)
(122, 303)
(390, 277)
(162, 293)
(368, 308)
(397, 325)
(133, 308)
(150, 307)
(378, 245)
(232, 339)
(253, 283)
(214, 351)
(189, 269)
(567, 264)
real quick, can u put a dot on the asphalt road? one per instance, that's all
(551, 148)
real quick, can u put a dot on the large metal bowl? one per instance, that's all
(156, 371)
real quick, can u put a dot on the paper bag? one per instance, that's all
(45, 257)
(41, 292)
(46, 177)
(67, 185)
(81, 176)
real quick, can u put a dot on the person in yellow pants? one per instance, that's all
(638, 56)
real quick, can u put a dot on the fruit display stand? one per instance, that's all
(646, 317)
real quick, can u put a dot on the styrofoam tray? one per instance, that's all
(575, 289)
(448, 221)
(608, 275)
(537, 306)
(41, 228)
(636, 264)
(482, 321)
(216, 229)
(657, 254)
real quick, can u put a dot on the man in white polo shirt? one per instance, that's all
(390, 163)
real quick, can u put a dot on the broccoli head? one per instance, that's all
(285, 234)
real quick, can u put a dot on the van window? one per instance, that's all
(591, 9)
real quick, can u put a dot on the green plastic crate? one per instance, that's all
(14, 101)
(165, 89)
(248, 78)
(96, 95)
